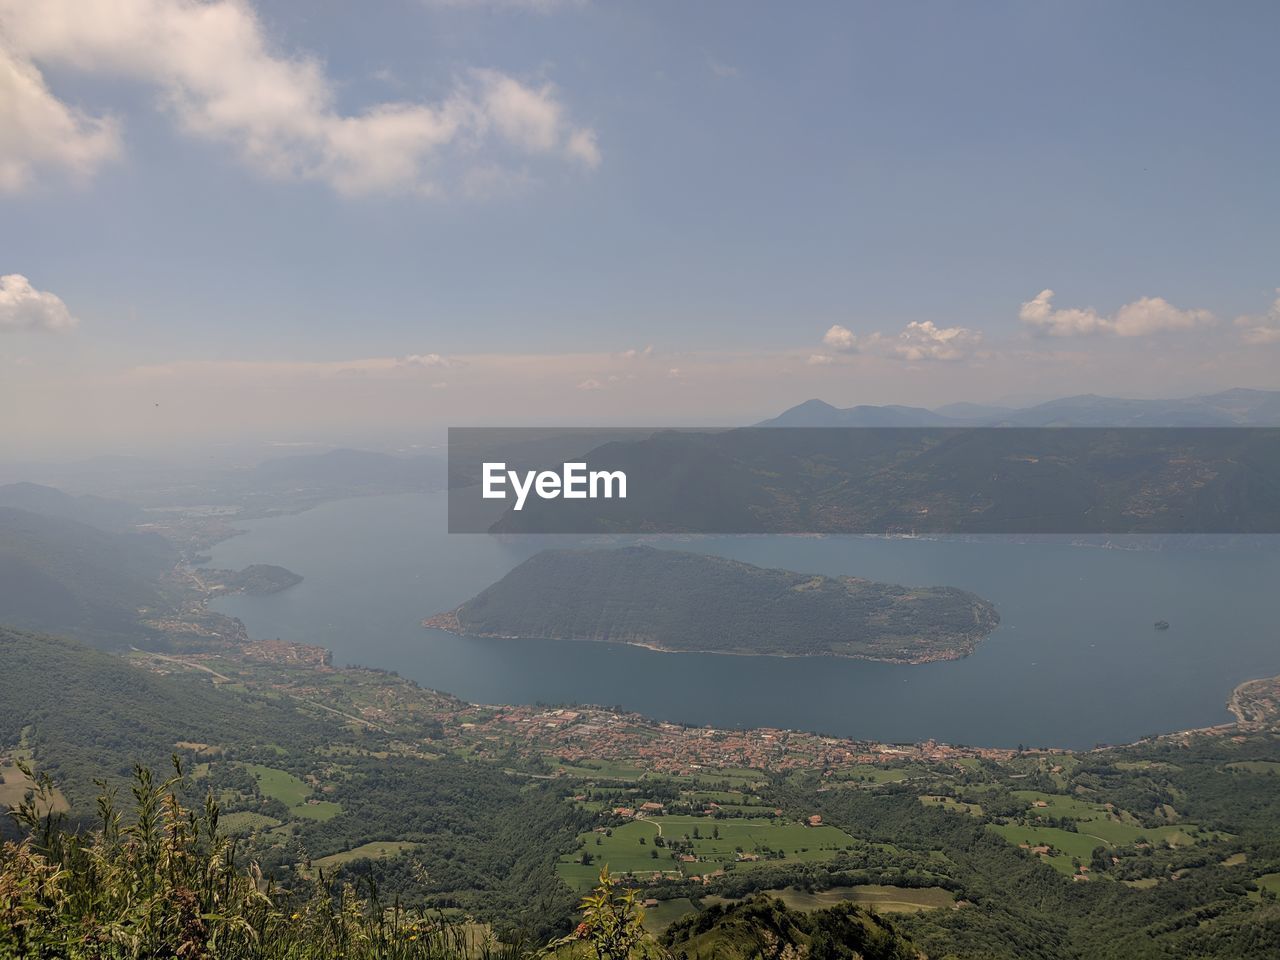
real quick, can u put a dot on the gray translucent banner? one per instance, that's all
(900, 480)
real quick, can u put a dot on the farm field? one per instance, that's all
(292, 792)
(952, 804)
(887, 899)
(871, 774)
(1269, 881)
(667, 912)
(14, 785)
(1096, 825)
(244, 821)
(716, 844)
(1255, 766)
(881, 897)
(1113, 827)
(599, 770)
(366, 851)
(1068, 844)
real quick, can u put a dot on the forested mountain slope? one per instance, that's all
(63, 576)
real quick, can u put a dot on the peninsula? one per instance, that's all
(682, 602)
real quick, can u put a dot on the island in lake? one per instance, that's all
(693, 603)
(256, 580)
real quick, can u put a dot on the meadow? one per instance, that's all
(292, 792)
(15, 785)
(881, 897)
(1097, 825)
(375, 850)
(716, 843)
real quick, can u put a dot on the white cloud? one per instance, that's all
(23, 307)
(1260, 330)
(1139, 318)
(918, 340)
(590, 383)
(925, 340)
(39, 132)
(840, 338)
(428, 360)
(223, 80)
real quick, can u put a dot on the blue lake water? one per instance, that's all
(1074, 662)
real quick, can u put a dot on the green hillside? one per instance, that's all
(63, 576)
(765, 928)
(692, 602)
(88, 715)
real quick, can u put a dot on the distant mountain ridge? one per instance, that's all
(58, 575)
(1239, 407)
(100, 512)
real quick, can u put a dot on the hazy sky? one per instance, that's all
(326, 220)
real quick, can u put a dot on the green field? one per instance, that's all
(625, 852)
(1097, 822)
(319, 810)
(14, 786)
(598, 770)
(886, 899)
(730, 801)
(366, 851)
(1096, 825)
(1142, 765)
(292, 792)
(279, 784)
(1269, 881)
(244, 821)
(667, 912)
(871, 773)
(1068, 844)
(954, 805)
(1255, 766)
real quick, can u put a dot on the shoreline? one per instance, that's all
(449, 623)
(1254, 703)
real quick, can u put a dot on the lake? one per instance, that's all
(1075, 661)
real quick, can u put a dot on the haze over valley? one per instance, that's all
(581, 480)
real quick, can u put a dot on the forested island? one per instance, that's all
(256, 580)
(693, 603)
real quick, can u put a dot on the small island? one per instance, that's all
(681, 602)
(256, 580)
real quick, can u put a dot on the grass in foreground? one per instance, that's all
(162, 882)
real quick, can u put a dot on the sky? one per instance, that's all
(317, 221)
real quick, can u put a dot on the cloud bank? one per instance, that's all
(918, 341)
(1139, 318)
(222, 80)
